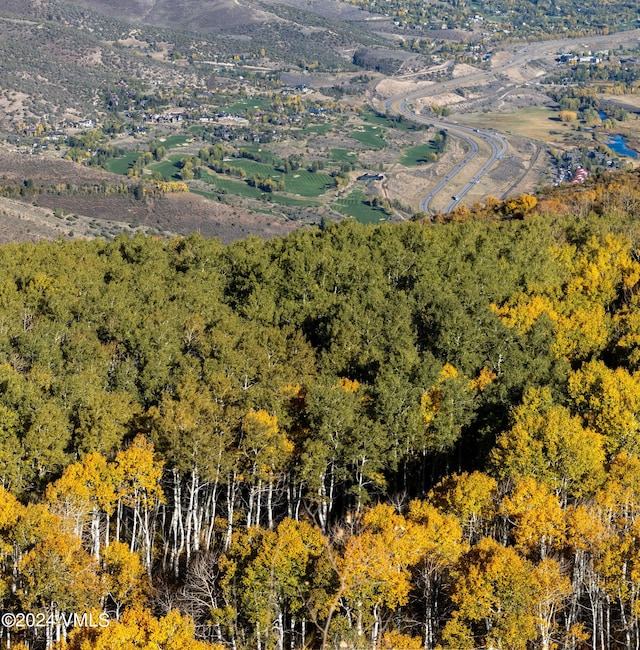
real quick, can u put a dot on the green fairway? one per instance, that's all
(419, 155)
(318, 129)
(343, 155)
(173, 141)
(265, 156)
(355, 206)
(237, 188)
(170, 169)
(370, 136)
(242, 188)
(300, 182)
(306, 183)
(391, 121)
(122, 164)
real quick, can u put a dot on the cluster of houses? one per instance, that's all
(572, 168)
(590, 58)
(35, 130)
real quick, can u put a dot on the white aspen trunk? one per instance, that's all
(134, 531)
(270, 505)
(192, 496)
(259, 503)
(280, 625)
(95, 533)
(332, 485)
(147, 541)
(323, 507)
(376, 627)
(198, 518)
(213, 500)
(231, 497)
(296, 512)
(250, 507)
(106, 530)
(360, 485)
(118, 519)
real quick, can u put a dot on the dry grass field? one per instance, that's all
(537, 123)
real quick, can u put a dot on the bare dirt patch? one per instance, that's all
(442, 99)
(463, 69)
(391, 87)
(173, 214)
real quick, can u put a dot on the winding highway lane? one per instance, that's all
(482, 142)
(473, 139)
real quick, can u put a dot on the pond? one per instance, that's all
(618, 144)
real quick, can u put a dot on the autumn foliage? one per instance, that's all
(402, 436)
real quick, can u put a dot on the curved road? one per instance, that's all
(475, 139)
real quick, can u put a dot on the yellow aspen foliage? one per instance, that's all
(578, 304)
(124, 576)
(83, 487)
(494, 596)
(280, 575)
(538, 518)
(619, 498)
(139, 473)
(349, 385)
(585, 529)
(35, 523)
(520, 205)
(374, 566)
(441, 535)
(568, 116)
(548, 443)
(10, 510)
(394, 640)
(484, 379)
(523, 313)
(552, 590)
(57, 569)
(448, 371)
(266, 446)
(139, 630)
(472, 498)
(609, 403)
(166, 187)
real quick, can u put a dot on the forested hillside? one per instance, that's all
(402, 436)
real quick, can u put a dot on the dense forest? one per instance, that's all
(404, 436)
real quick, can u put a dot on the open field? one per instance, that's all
(244, 105)
(537, 123)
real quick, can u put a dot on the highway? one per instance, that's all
(489, 146)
